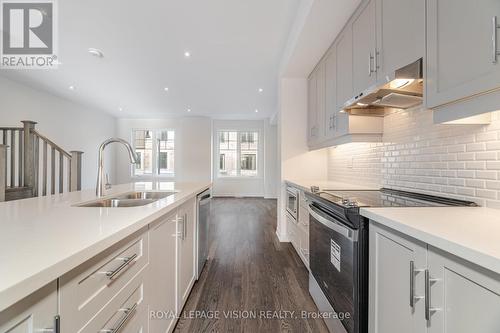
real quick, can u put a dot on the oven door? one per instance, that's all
(333, 263)
(292, 201)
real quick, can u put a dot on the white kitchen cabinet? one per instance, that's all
(331, 110)
(316, 103)
(461, 55)
(400, 34)
(35, 313)
(364, 50)
(186, 252)
(450, 295)
(393, 258)
(87, 289)
(343, 49)
(312, 114)
(162, 273)
(463, 297)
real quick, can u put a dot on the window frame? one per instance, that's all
(239, 154)
(155, 154)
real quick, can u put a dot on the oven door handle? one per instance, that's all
(334, 225)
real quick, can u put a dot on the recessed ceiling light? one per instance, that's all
(166, 88)
(120, 109)
(96, 52)
(256, 111)
(188, 110)
(261, 90)
(71, 87)
(187, 54)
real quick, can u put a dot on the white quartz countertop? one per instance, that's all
(323, 185)
(43, 238)
(471, 233)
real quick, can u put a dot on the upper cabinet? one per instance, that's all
(463, 69)
(400, 34)
(364, 48)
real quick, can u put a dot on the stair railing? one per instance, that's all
(30, 162)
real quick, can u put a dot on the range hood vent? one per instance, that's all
(402, 89)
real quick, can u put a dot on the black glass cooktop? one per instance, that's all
(389, 198)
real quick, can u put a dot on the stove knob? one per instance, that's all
(352, 204)
(346, 201)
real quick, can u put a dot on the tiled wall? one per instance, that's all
(459, 161)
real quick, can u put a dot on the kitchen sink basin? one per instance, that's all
(133, 199)
(145, 195)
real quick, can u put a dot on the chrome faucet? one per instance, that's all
(100, 170)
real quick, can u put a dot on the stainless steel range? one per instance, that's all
(338, 234)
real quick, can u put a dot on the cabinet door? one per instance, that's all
(320, 112)
(162, 274)
(344, 67)
(396, 269)
(464, 297)
(460, 61)
(35, 313)
(312, 113)
(400, 34)
(330, 93)
(364, 48)
(186, 262)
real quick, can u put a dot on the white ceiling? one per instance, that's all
(317, 24)
(235, 45)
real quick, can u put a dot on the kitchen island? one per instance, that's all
(45, 241)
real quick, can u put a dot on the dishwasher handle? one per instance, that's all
(333, 224)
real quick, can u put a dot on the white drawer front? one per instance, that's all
(126, 313)
(89, 287)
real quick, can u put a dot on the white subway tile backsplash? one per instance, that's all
(457, 161)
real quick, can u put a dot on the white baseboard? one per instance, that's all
(282, 238)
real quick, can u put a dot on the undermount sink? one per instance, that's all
(133, 199)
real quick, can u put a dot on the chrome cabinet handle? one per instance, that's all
(185, 226)
(375, 61)
(412, 284)
(370, 70)
(125, 264)
(496, 53)
(413, 273)
(128, 314)
(428, 308)
(427, 296)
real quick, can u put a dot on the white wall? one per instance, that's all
(271, 161)
(192, 146)
(239, 186)
(296, 161)
(459, 161)
(70, 125)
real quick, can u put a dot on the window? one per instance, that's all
(155, 150)
(238, 153)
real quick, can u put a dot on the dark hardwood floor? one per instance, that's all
(249, 272)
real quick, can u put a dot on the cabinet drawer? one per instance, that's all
(90, 286)
(126, 313)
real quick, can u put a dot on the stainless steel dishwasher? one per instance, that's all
(203, 206)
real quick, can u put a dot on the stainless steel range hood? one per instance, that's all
(402, 89)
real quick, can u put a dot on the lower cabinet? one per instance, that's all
(162, 274)
(172, 267)
(186, 275)
(415, 287)
(298, 231)
(35, 313)
(137, 285)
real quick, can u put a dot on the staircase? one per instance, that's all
(32, 165)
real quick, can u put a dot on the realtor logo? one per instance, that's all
(28, 31)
